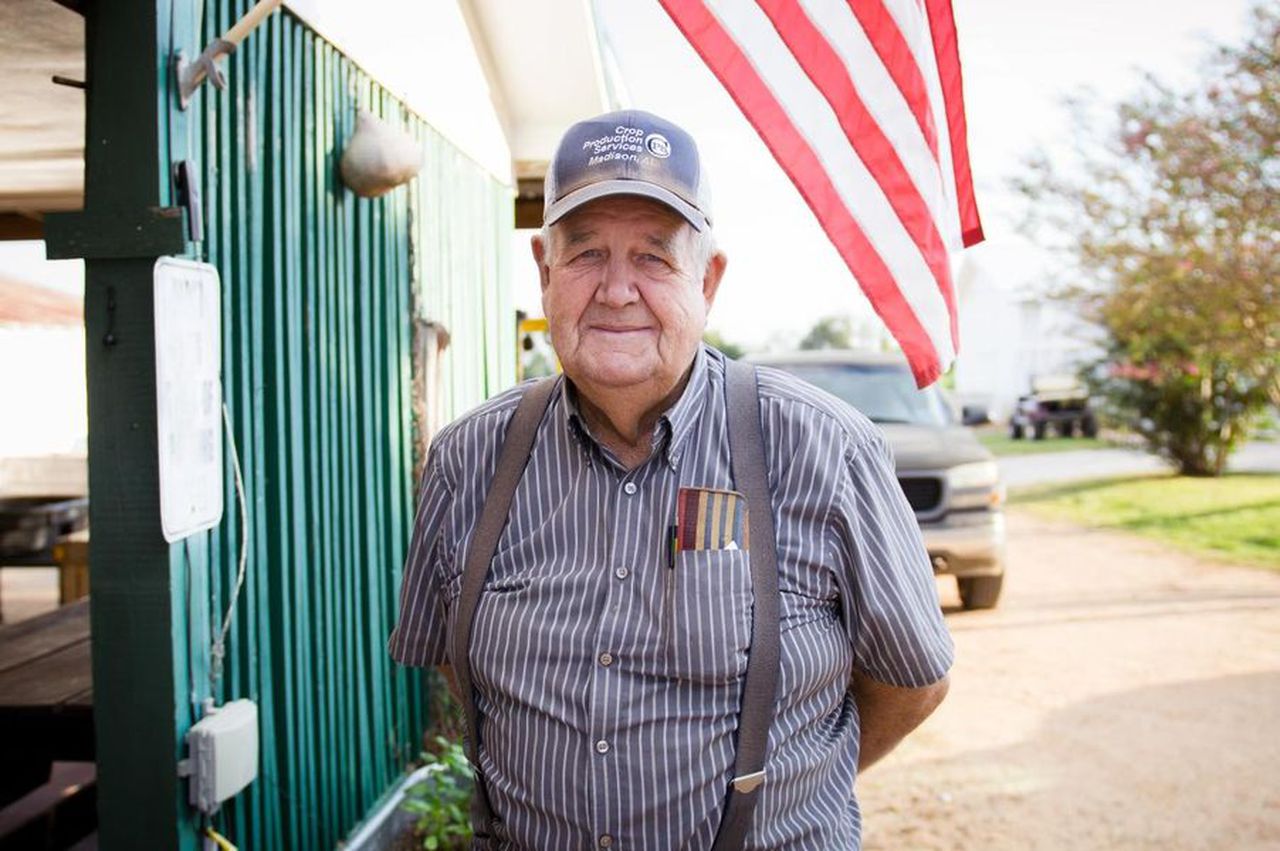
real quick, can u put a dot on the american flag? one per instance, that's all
(860, 102)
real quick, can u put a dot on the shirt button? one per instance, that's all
(621, 573)
(605, 840)
(602, 746)
(629, 488)
(606, 659)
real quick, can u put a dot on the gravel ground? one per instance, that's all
(1123, 696)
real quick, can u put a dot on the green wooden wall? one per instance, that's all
(320, 289)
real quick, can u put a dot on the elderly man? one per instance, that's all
(606, 583)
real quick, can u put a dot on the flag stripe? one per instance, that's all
(882, 100)
(798, 158)
(825, 68)
(912, 23)
(947, 52)
(891, 46)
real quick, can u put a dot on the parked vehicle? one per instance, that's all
(950, 479)
(1060, 401)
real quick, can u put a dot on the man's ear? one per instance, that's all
(540, 256)
(711, 278)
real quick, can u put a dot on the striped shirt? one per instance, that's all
(608, 670)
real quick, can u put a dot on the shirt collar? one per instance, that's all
(673, 425)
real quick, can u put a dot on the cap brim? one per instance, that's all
(609, 188)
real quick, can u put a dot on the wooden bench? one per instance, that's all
(46, 697)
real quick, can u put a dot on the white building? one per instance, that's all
(1011, 331)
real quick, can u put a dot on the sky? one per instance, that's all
(1020, 58)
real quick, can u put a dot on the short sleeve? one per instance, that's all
(419, 637)
(888, 596)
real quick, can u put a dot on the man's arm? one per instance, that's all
(886, 714)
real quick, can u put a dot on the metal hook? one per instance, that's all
(191, 74)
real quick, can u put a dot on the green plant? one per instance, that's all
(442, 799)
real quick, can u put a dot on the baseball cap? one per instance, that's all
(630, 152)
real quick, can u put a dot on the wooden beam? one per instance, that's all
(529, 202)
(20, 226)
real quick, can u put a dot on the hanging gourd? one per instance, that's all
(379, 157)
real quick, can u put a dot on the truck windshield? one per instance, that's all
(884, 393)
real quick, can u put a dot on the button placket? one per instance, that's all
(624, 550)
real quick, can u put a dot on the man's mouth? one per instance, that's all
(619, 329)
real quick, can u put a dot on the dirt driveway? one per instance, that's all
(1122, 696)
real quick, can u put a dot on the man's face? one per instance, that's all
(624, 294)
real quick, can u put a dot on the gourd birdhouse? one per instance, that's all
(379, 157)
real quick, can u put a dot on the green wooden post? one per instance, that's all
(140, 683)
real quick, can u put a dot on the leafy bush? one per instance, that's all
(1191, 414)
(442, 799)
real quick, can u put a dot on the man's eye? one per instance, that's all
(652, 258)
(588, 255)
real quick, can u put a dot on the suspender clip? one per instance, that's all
(748, 782)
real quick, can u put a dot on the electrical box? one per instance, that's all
(222, 750)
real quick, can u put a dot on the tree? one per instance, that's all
(1173, 225)
(717, 340)
(830, 332)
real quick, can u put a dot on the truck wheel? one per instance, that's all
(1067, 428)
(1040, 429)
(980, 592)
(1089, 427)
(1017, 432)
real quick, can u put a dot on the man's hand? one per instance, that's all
(888, 713)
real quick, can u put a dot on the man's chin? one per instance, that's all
(614, 370)
(617, 378)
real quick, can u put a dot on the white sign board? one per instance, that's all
(188, 395)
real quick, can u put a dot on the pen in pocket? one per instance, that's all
(673, 541)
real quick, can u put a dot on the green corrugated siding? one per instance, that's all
(318, 301)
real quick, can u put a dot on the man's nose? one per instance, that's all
(617, 286)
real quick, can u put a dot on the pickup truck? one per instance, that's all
(950, 480)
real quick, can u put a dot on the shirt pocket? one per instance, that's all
(708, 614)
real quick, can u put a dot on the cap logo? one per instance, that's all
(657, 144)
(622, 144)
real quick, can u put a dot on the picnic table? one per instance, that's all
(46, 697)
(37, 531)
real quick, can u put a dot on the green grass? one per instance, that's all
(1000, 443)
(1235, 517)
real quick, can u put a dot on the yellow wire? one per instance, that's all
(220, 840)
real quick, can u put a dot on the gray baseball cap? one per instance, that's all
(627, 153)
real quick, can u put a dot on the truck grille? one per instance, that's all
(924, 493)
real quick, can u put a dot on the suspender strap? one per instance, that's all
(521, 432)
(760, 691)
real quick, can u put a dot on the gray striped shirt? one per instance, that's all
(608, 673)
